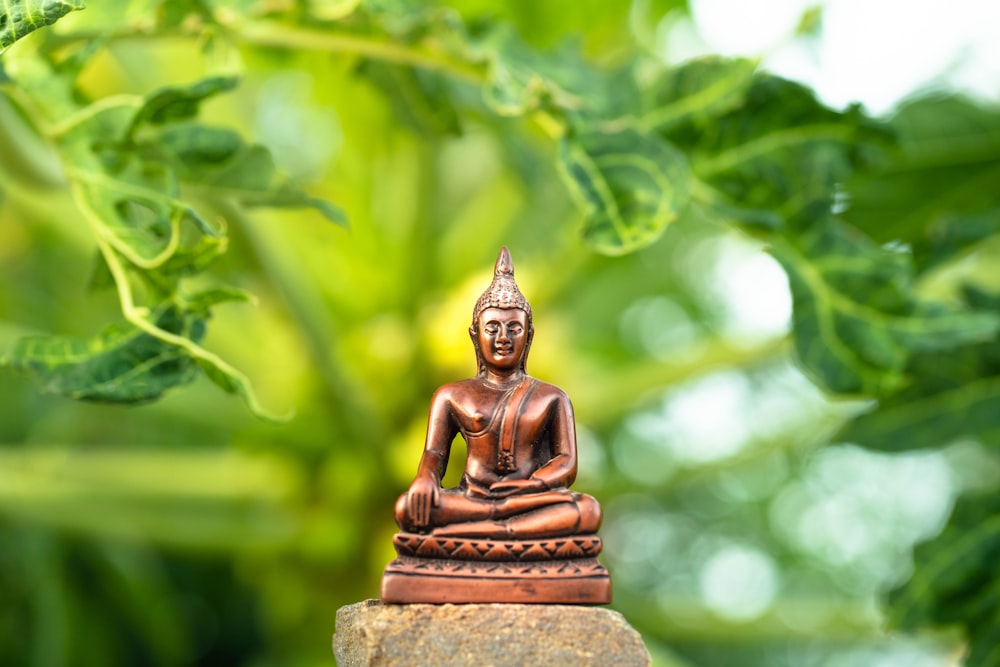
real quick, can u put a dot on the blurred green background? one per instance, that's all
(188, 531)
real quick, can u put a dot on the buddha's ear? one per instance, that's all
(480, 367)
(527, 347)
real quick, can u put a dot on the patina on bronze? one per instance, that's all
(511, 531)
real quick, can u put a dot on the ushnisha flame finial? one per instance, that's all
(503, 291)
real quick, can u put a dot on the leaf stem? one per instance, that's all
(83, 115)
(177, 211)
(137, 316)
(283, 36)
(268, 33)
(768, 143)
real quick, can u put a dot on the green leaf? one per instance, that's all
(202, 302)
(966, 410)
(130, 201)
(763, 150)
(697, 92)
(174, 103)
(192, 147)
(948, 235)
(121, 365)
(630, 185)
(515, 83)
(21, 17)
(234, 382)
(192, 258)
(219, 163)
(856, 322)
(126, 158)
(936, 192)
(521, 79)
(141, 222)
(131, 364)
(411, 21)
(954, 580)
(953, 396)
(420, 99)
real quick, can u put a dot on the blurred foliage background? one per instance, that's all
(777, 322)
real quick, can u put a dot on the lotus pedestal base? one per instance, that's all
(438, 570)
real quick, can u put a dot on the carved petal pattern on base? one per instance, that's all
(552, 569)
(473, 549)
(461, 570)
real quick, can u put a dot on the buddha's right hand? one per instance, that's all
(424, 493)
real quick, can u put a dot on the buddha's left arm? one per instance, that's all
(560, 470)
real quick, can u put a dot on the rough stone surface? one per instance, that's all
(371, 633)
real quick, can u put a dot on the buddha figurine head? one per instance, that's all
(502, 295)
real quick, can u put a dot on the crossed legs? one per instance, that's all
(528, 516)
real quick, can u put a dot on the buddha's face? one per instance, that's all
(501, 337)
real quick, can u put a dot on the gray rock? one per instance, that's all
(370, 633)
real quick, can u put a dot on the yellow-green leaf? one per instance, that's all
(630, 185)
(21, 17)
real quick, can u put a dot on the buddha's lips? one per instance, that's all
(504, 350)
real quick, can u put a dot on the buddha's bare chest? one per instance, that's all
(482, 417)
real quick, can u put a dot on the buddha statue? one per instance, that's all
(513, 506)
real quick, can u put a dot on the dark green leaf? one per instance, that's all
(121, 365)
(948, 235)
(767, 151)
(175, 103)
(696, 92)
(954, 580)
(21, 17)
(936, 193)
(953, 395)
(193, 258)
(191, 147)
(856, 322)
(202, 302)
(630, 184)
(966, 410)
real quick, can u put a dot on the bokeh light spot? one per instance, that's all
(739, 582)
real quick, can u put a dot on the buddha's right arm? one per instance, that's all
(432, 465)
(440, 432)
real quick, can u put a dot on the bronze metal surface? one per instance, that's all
(512, 530)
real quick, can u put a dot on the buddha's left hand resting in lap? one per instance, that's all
(520, 435)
